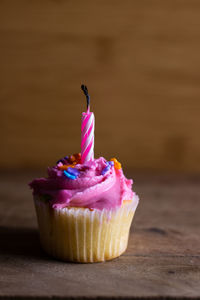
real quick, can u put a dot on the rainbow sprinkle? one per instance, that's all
(70, 176)
(65, 167)
(71, 172)
(117, 164)
(109, 164)
(72, 159)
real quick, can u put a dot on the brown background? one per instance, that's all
(140, 61)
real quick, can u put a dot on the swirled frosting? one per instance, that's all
(99, 184)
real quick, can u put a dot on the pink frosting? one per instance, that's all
(91, 189)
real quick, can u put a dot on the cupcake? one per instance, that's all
(84, 211)
(84, 206)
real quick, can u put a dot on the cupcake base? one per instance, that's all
(84, 235)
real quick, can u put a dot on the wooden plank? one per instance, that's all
(140, 61)
(162, 260)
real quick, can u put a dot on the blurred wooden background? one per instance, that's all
(140, 60)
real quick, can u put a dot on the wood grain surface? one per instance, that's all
(140, 60)
(162, 259)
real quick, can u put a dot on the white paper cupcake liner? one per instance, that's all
(84, 235)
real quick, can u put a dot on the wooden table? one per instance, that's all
(162, 260)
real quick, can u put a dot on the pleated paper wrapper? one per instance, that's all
(84, 235)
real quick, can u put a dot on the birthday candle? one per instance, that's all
(87, 131)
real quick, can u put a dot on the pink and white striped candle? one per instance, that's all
(87, 131)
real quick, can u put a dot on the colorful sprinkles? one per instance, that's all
(70, 176)
(109, 164)
(71, 173)
(72, 159)
(113, 162)
(65, 167)
(68, 165)
(117, 164)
